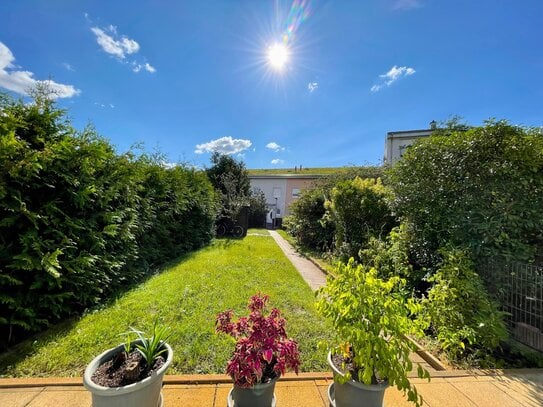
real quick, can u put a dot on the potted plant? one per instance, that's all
(130, 374)
(262, 353)
(372, 318)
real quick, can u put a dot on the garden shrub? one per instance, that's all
(480, 188)
(257, 209)
(463, 318)
(76, 218)
(307, 222)
(391, 257)
(359, 210)
(179, 212)
(231, 181)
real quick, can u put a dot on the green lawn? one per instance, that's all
(326, 264)
(186, 297)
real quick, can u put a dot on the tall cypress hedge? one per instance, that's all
(78, 221)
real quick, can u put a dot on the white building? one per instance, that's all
(398, 141)
(281, 190)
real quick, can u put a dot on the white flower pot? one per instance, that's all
(145, 393)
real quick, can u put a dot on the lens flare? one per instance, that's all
(278, 56)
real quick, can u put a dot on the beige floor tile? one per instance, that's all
(527, 392)
(323, 390)
(197, 396)
(221, 395)
(396, 398)
(299, 396)
(17, 397)
(486, 394)
(52, 397)
(443, 394)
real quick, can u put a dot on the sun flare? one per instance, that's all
(278, 55)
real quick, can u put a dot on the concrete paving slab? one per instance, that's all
(18, 397)
(299, 396)
(62, 397)
(201, 396)
(396, 398)
(314, 276)
(486, 394)
(525, 391)
(221, 394)
(443, 394)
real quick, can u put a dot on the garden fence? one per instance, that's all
(519, 289)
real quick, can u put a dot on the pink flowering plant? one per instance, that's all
(263, 351)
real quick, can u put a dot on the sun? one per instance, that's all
(278, 55)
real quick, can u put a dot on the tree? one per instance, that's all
(231, 180)
(480, 188)
(257, 208)
(359, 209)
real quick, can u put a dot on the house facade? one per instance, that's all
(398, 141)
(280, 191)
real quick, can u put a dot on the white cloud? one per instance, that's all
(277, 161)
(312, 86)
(23, 81)
(406, 4)
(104, 105)
(149, 68)
(392, 76)
(68, 66)
(118, 47)
(121, 47)
(274, 146)
(224, 145)
(136, 67)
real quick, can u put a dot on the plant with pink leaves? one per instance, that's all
(263, 351)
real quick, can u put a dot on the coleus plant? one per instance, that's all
(263, 351)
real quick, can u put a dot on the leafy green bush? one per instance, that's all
(231, 181)
(307, 222)
(371, 317)
(178, 211)
(359, 210)
(391, 257)
(77, 219)
(257, 209)
(481, 188)
(464, 319)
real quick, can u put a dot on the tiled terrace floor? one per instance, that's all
(514, 388)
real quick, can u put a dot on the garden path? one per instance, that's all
(316, 278)
(313, 275)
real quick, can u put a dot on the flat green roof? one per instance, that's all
(304, 171)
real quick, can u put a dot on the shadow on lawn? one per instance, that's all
(227, 242)
(32, 344)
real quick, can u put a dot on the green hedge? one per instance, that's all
(481, 189)
(79, 222)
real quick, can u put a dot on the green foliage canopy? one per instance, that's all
(307, 222)
(231, 180)
(464, 319)
(481, 189)
(359, 210)
(78, 221)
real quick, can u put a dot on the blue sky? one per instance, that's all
(188, 77)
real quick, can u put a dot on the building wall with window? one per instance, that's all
(398, 141)
(295, 186)
(281, 190)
